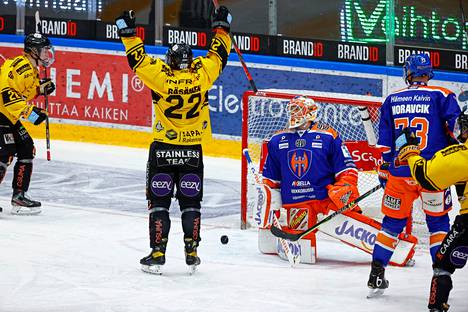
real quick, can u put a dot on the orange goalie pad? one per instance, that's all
(360, 231)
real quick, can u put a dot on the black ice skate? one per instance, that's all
(191, 257)
(377, 282)
(21, 204)
(155, 260)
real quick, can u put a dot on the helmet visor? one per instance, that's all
(47, 56)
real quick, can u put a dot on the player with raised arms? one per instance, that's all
(179, 88)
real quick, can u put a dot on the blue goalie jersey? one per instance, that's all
(303, 163)
(430, 112)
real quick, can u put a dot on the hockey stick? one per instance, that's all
(293, 255)
(46, 99)
(294, 237)
(239, 54)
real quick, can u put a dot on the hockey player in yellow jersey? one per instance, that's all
(20, 83)
(447, 167)
(179, 87)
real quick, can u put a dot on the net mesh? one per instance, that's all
(267, 115)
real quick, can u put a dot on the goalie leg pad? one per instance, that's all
(267, 201)
(360, 231)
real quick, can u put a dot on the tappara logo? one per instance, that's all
(299, 161)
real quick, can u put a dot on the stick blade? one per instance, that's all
(281, 234)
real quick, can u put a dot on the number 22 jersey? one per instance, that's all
(430, 112)
(180, 97)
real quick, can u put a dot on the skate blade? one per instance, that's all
(374, 293)
(192, 269)
(25, 211)
(152, 269)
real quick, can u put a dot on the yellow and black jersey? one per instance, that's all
(180, 97)
(19, 83)
(447, 167)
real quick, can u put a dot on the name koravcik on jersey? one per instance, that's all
(357, 52)
(58, 27)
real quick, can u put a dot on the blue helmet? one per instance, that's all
(417, 65)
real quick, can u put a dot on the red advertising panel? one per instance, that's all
(95, 87)
(365, 157)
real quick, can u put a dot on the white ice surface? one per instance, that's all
(80, 259)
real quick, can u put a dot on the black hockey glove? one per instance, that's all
(407, 144)
(46, 86)
(37, 115)
(126, 24)
(222, 18)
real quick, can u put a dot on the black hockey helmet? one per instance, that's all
(39, 47)
(179, 56)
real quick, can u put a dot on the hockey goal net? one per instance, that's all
(264, 113)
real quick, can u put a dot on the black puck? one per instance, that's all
(224, 239)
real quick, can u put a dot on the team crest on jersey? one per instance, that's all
(299, 161)
(300, 143)
(159, 127)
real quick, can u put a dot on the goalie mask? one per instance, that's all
(179, 56)
(301, 110)
(39, 47)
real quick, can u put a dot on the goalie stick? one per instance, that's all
(294, 237)
(293, 256)
(46, 99)
(241, 58)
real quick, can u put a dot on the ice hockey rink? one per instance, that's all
(82, 253)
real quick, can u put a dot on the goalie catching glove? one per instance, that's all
(343, 191)
(126, 24)
(407, 144)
